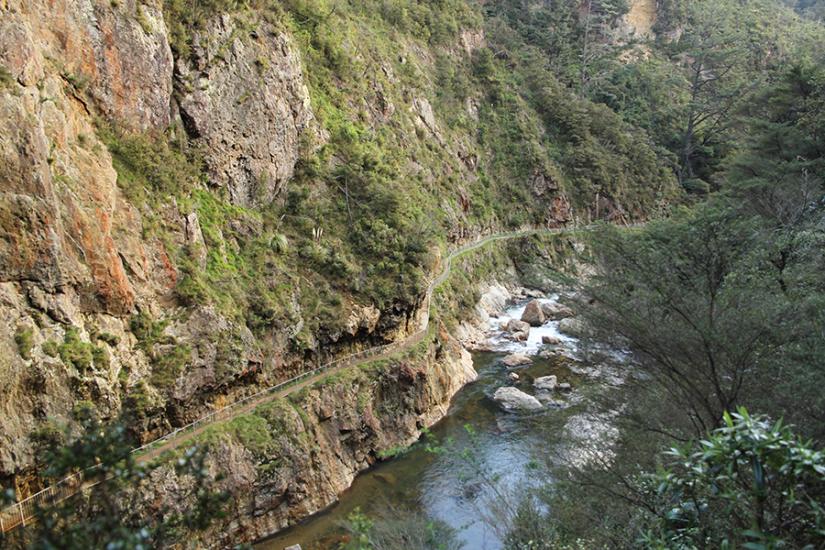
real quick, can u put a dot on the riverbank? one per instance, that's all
(511, 451)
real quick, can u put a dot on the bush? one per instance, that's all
(148, 166)
(751, 484)
(24, 338)
(81, 355)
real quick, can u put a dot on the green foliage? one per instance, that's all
(109, 338)
(254, 433)
(81, 355)
(7, 81)
(750, 484)
(120, 524)
(149, 167)
(167, 356)
(184, 18)
(24, 338)
(394, 529)
(51, 348)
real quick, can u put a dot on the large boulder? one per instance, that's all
(554, 311)
(532, 314)
(550, 340)
(513, 399)
(548, 383)
(514, 325)
(571, 326)
(520, 336)
(516, 360)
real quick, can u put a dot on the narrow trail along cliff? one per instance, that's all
(24, 511)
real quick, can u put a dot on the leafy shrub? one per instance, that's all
(148, 165)
(751, 484)
(81, 355)
(24, 338)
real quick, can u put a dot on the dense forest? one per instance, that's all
(701, 123)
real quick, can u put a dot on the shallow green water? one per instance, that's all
(510, 448)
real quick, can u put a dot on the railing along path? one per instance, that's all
(23, 512)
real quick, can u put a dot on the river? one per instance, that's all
(508, 451)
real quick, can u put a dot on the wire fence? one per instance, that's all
(23, 512)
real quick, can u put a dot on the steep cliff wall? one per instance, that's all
(293, 457)
(199, 199)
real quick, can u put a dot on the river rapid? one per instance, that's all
(486, 457)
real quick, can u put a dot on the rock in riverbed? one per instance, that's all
(533, 314)
(514, 325)
(554, 311)
(546, 382)
(516, 360)
(571, 326)
(550, 340)
(513, 399)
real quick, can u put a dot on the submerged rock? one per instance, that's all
(565, 386)
(548, 383)
(513, 399)
(533, 314)
(516, 360)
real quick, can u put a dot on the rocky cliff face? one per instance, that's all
(293, 457)
(198, 204)
(76, 258)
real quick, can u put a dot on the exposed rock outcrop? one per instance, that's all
(548, 383)
(516, 360)
(513, 399)
(315, 446)
(554, 311)
(572, 326)
(244, 99)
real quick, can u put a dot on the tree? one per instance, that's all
(113, 515)
(691, 298)
(394, 529)
(751, 484)
(718, 76)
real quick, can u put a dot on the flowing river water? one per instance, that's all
(509, 452)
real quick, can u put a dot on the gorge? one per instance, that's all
(256, 252)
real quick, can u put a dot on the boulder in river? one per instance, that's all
(571, 326)
(513, 376)
(550, 340)
(514, 325)
(533, 293)
(516, 360)
(520, 336)
(513, 399)
(554, 311)
(565, 386)
(533, 314)
(546, 382)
